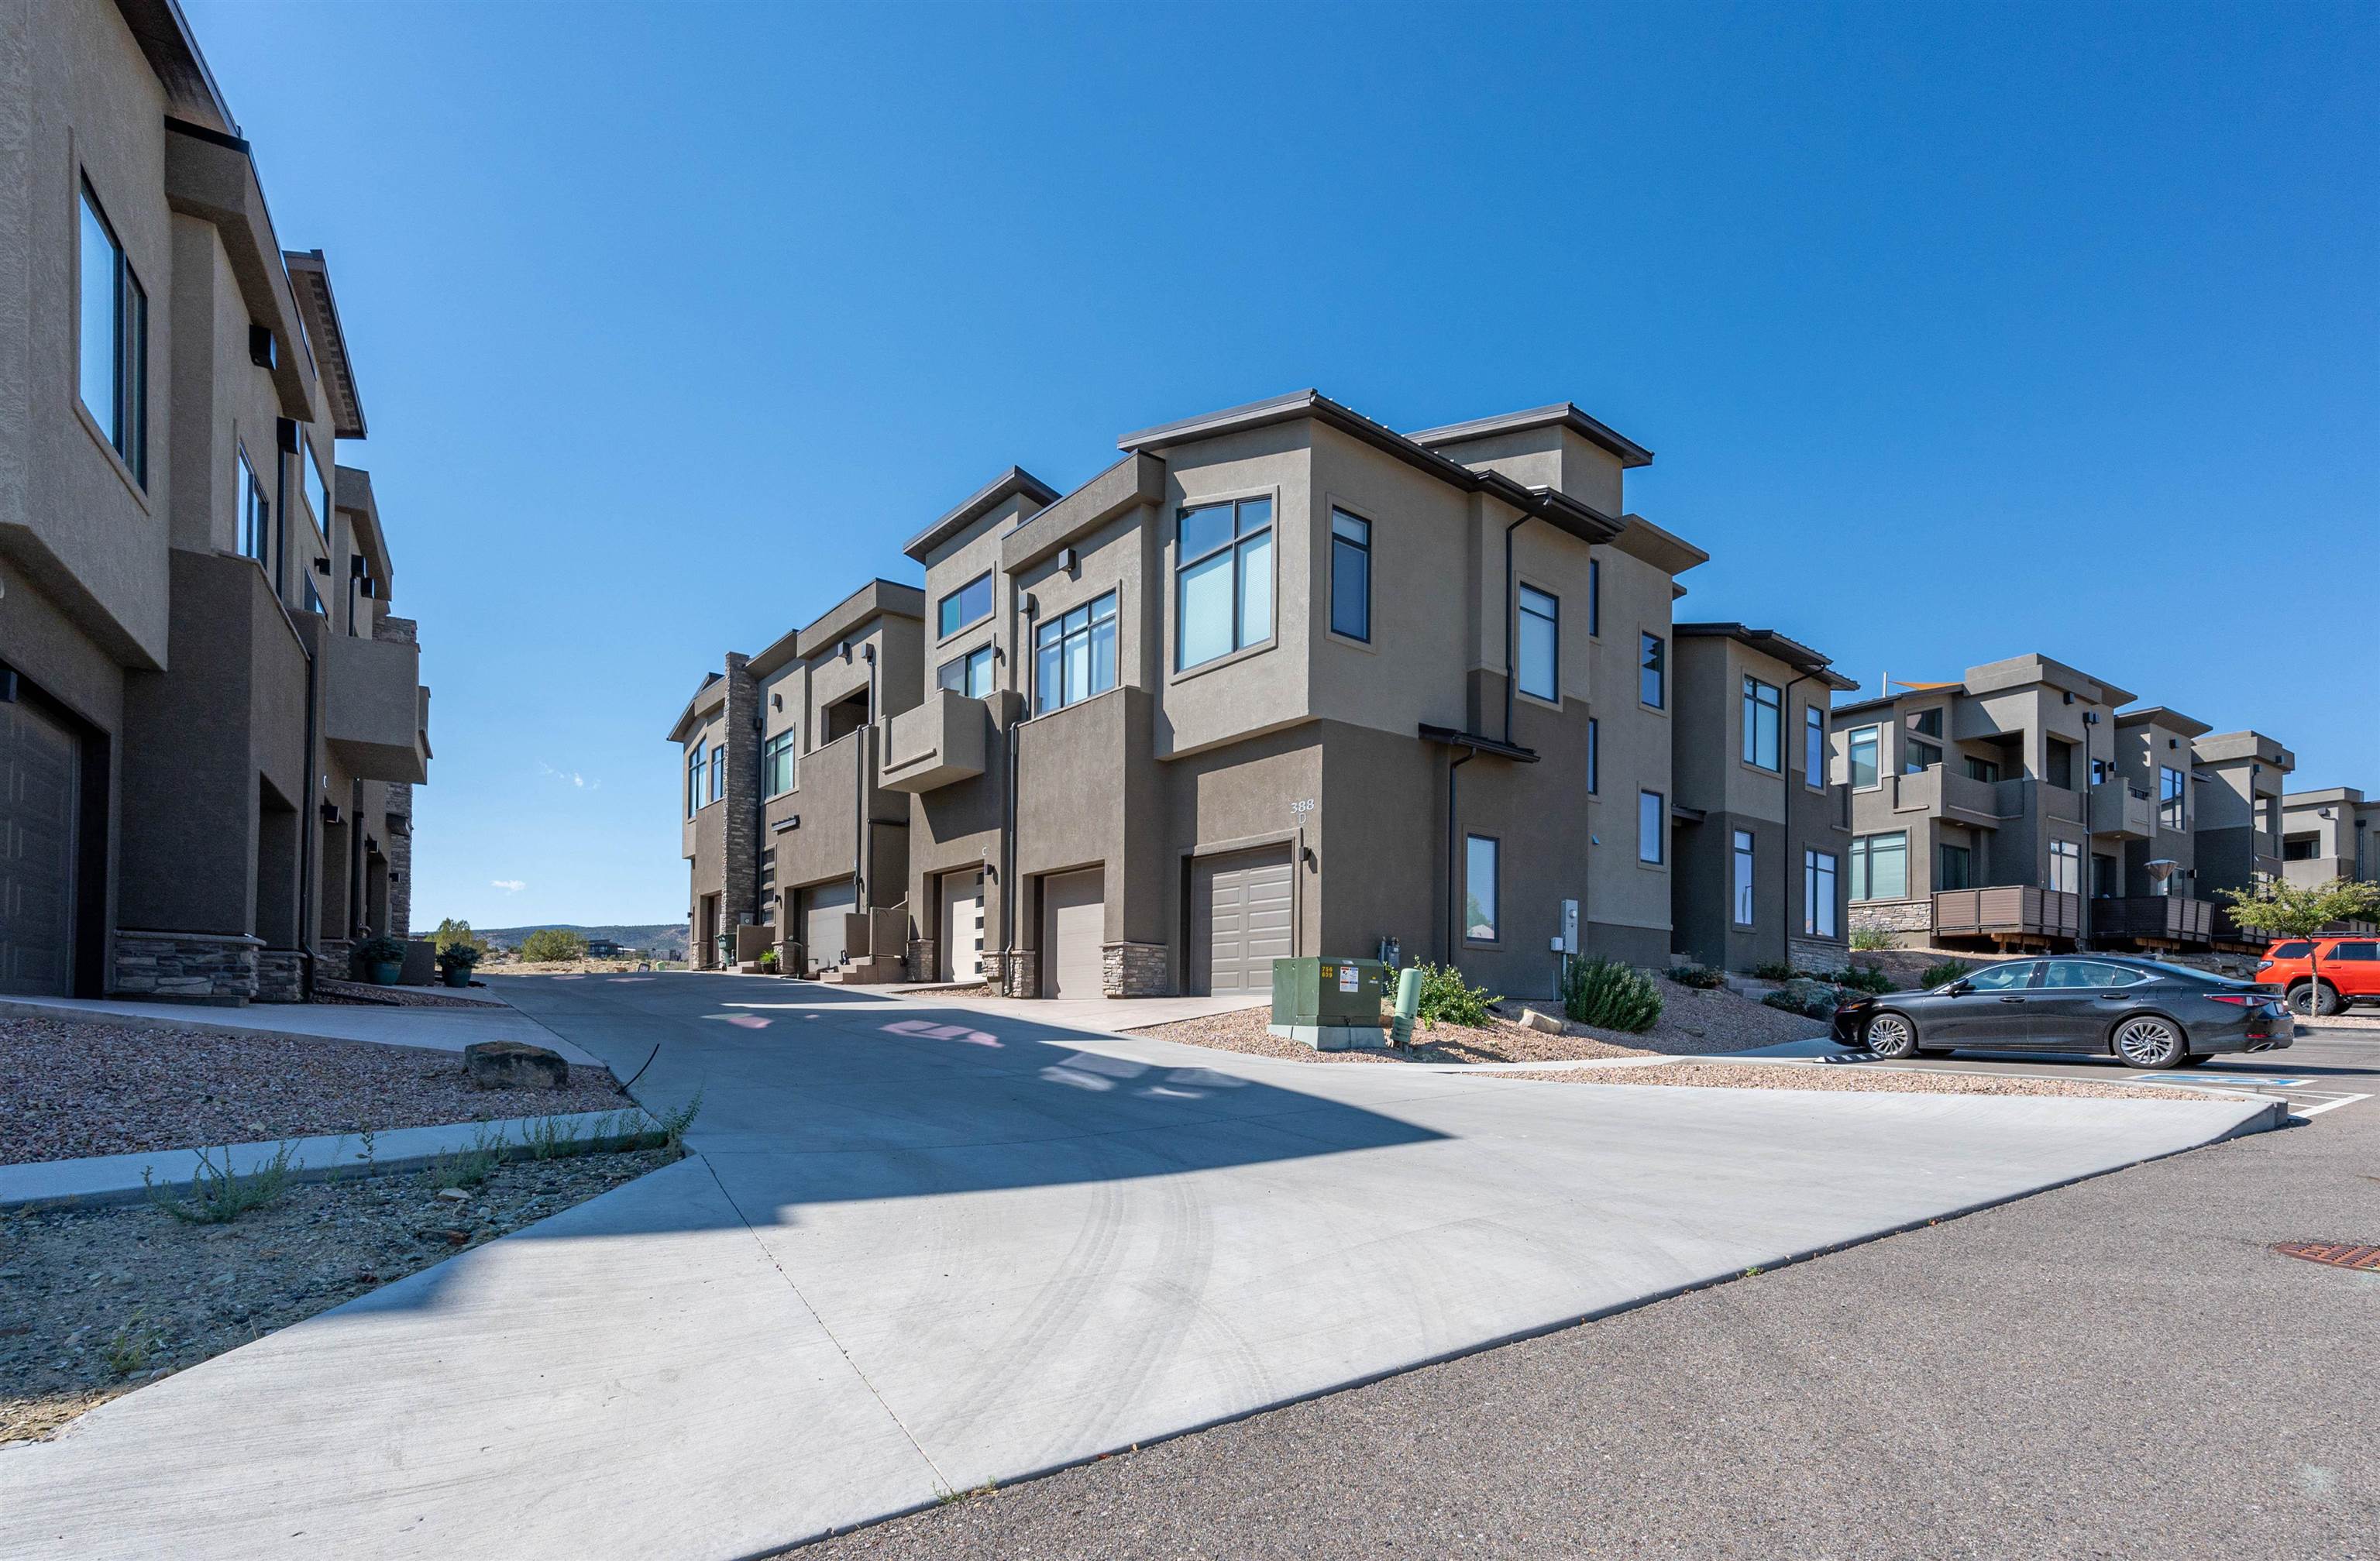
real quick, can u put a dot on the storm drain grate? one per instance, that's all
(2339, 1254)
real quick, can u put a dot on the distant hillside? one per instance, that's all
(664, 940)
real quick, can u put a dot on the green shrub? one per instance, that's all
(1446, 998)
(1775, 970)
(1863, 978)
(549, 943)
(1701, 977)
(458, 956)
(1944, 973)
(768, 962)
(453, 934)
(1810, 1000)
(381, 951)
(1870, 939)
(1611, 995)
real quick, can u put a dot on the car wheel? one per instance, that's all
(2320, 1000)
(2150, 1042)
(1891, 1036)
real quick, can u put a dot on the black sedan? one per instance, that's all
(2148, 1014)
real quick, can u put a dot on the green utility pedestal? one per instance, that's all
(1328, 1004)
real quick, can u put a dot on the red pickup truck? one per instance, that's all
(2351, 972)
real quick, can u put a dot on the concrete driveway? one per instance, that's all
(923, 1248)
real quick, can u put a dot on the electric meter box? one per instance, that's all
(1330, 1004)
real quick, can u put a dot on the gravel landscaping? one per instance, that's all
(1859, 1080)
(96, 1303)
(1694, 1023)
(70, 1089)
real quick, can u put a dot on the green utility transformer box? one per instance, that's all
(1328, 1004)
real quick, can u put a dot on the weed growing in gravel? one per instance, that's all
(554, 1138)
(216, 1195)
(465, 1168)
(674, 1123)
(1870, 939)
(1611, 994)
(129, 1348)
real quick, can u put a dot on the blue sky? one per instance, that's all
(672, 324)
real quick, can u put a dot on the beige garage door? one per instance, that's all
(38, 790)
(1242, 902)
(962, 924)
(823, 909)
(1073, 924)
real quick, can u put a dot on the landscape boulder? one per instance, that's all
(514, 1065)
(1542, 1023)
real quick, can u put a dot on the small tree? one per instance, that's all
(452, 933)
(552, 943)
(2286, 910)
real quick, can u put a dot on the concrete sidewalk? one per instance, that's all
(920, 1248)
(430, 1029)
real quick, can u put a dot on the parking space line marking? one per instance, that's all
(2328, 1106)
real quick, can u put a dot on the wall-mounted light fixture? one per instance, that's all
(261, 346)
(776, 701)
(790, 821)
(330, 814)
(1071, 562)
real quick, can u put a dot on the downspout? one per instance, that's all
(1512, 612)
(310, 824)
(1008, 805)
(860, 852)
(1785, 781)
(1454, 823)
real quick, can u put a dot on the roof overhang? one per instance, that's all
(1135, 480)
(878, 598)
(164, 36)
(210, 175)
(1015, 480)
(2160, 715)
(1561, 412)
(352, 495)
(1665, 550)
(1768, 642)
(711, 696)
(310, 280)
(1477, 742)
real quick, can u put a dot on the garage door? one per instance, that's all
(823, 908)
(1073, 924)
(38, 790)
(1242, 906)
(963, 925)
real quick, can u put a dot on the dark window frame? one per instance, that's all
(1551, 617)
(1762, 696)
(124, 427)
(966, 664)
(1821, 883)
(1361, 550)
(1495, 845)
(1653, 661)
(1240, 538)
(1744, 882)
(944, 628)
(1660, 819)
(776, 752)
(1053, 635)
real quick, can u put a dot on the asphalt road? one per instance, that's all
(2119, 1368)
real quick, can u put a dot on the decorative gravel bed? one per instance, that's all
(96, 1303)
(69, 1089)
(1694, 1023)
(1857, 1079)
(362, 994)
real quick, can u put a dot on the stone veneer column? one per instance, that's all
(1133, 970)
(739, 832)
(202, 967)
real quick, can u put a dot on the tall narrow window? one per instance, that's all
(777, 765)
(112, 341)
(318, 496)
(1479, 889)
(1540, 644)
(1351, 575)
(2065, 867)
(2059, 757)
(1814, 746)
(1953, 866)
(718, 771)
(1818, 887)
(1074, 655)
(1223, 580)
(1744, 864)
(1865, 773)
(1764, 724)
(1652, 671)
(1593, 597)
(971, 603)
(1594, 758)
(255, 511)
(969, 675)
(696, 760)
(1650, 826)
(1880, 866)
(2172, 802)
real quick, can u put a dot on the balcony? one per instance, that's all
(1940, 792)
(376, 713)
(2316, 872)
(2015, 912)
(935, 744)
(2155, 919)
(2120, 810)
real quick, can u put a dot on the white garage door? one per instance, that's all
(38, 791)
(1073, 924)
(823, 908)
(1245, 900)
(962, 924)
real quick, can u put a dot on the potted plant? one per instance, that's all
(381, 959)
(455, 962)
(768, 962)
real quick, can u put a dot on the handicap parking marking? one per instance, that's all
(2303, 1101)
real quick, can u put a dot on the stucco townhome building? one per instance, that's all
(2032, 806)
(210, 721)
(1278, 680)
(2329, 833)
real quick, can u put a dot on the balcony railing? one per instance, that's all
(934, 744)
(2015, 911)
(2121, 810)
(2164, 918)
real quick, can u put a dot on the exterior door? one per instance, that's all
(1991, 1013)
(961, 934)
(823, 908)
(1241, 919)
(39, 782)
(2076, 1002)
(1073, 925)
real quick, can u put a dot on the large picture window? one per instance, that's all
(1818, 886)
(697, 768)
(255, 512)
(1479, 889)
(971, 603)
(1351, 575)
(1744, 861)
(1764, 724)
(1880, 866)
(1223, 580)
(777, 765)
(1650, 826)
(1074, 655)
(1540, 644)
(969, 674)
(113, 334)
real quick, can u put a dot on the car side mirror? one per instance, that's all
(1957, 988)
